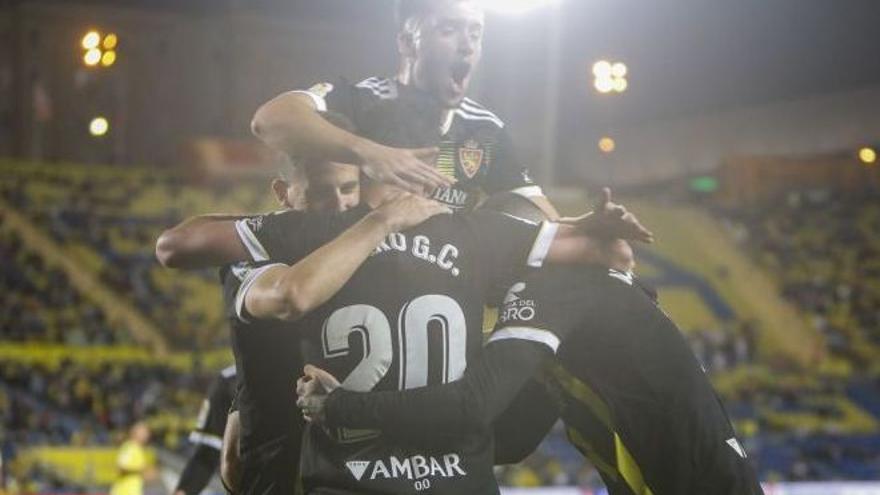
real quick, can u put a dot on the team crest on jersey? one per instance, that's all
(471, 157)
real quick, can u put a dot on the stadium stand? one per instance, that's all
(75, 375)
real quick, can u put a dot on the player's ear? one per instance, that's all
(279, 189)
(406, 43)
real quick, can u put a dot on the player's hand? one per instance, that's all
(409, 169)
(405, 210)
(312, 390)
(610, 220)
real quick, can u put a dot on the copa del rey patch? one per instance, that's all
(470, 155)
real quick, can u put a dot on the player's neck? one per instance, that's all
(406, 78)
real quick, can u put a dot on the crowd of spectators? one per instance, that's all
(722, 349)
(81, 404)
(117, 218)
(38, 303)
(825, 250)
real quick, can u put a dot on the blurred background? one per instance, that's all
(744, 134)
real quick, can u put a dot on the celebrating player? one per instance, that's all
(633, 397)
(440, 46)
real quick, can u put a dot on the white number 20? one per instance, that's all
(413, 323)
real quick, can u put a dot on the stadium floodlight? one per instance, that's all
(868, 156)
(607, 145)
(515, 6)
(604, 84)
(92, 57)
(610, 76)
(91, 40)
(602, 69)
(108, 58)
(110, 41)
(99, 49)
(99, 126)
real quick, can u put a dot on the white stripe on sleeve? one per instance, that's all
(542, 244)
(250, 241)
(538, 335)
(246, 285)
(319, 101)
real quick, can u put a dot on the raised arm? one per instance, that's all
(291, 123)
(203, 241)
(290, 292)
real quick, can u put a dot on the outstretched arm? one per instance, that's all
(464, 406)
(292, 124)
(203, 241)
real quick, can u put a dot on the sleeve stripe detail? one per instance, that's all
(471, 106)
(200, 438)
(250, 241)
(529, 191)
(320, 102)
(489, 118)
(542, 244)
(383, 88)
(246, 285)
(538, 335)
(228, 371)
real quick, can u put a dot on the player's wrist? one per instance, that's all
(362, 149)
(384, 219)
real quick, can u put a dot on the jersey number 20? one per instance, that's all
(413, 322)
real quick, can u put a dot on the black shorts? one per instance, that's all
(271, 469)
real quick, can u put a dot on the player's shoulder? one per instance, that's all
(382, 88)
(477, 114)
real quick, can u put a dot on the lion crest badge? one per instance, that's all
(470, 155)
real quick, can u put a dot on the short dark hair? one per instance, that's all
(407, 9)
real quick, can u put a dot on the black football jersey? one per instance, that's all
(267, 352)
(410, 316)
(634, 398)
(211, 422)
(474, 146)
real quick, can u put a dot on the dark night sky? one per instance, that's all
(685, 56)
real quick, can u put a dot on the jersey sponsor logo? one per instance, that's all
(734, 444)
(452, 196)
(357, 468)
(420, 247)
(415, 468)
(516, 308)
(470, 155)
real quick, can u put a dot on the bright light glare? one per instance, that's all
(867, 155)
(618, 69)
(607, 145)
(604, 85)
(620, 85)
(602, 69)
(91, 40)
(108, 59)
(110, 41)
(98, 126)
(515, 6)
(92, 57)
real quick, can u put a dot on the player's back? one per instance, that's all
(636, 400)
(410, 316)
